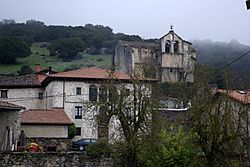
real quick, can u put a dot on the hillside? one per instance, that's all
(50, 47)
(42, 56)
(218, 54)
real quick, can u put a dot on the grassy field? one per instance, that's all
(41, 56)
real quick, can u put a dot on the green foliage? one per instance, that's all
(25, 69)
(12, 48)
(179, 90)
(95, 36)
(71, 131)
(98, 150)
(170, 148)
(67, 48)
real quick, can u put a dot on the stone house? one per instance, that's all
(238, 101)
(10, 115)
(74, 91)
(171, 60)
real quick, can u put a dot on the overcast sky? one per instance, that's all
(219, 20)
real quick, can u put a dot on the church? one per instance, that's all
(172, 59)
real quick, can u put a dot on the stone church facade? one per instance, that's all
(171, 60)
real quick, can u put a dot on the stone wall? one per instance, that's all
(61, 144)
(69, 159)
(9, 125)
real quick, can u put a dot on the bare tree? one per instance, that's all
(129, 106)
(220, 124)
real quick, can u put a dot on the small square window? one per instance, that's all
(40, 95)
(78, 91)
(78, 112)
(4, 94)
(78, 131)
(127, 92)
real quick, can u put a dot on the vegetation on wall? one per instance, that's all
(71, 131)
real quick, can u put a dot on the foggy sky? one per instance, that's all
(219, 20)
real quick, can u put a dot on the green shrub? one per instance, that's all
(71, 131)
(98, 150)
(170, 149)
(99, 59)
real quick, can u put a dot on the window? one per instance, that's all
(40, 95)
(167, 46)
(4, 94)
(78, 91)
(102, 116)
(92, 93)
(78, 112)
(102, 93)
(78, 131)
(126, 92)
(176, 47)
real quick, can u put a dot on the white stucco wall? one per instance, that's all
(25, 97)
(47, 131)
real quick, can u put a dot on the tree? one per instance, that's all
(12, 48)
(67, 48)
(129, 107)
(25, 69)
(219, 123)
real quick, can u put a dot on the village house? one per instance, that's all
(10, 118)
(171, 60)
(73, 92)
(239, 102)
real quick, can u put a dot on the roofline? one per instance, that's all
(59, 78)
(171, 31)
(232, 98)
(13, 108)
(40, 123)
(20, 86)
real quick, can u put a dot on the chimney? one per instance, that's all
(50, 69)
(38, 68)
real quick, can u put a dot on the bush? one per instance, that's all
(99, 59)
(170, 149)
(25, 69)
(99, 150)
(71, 131)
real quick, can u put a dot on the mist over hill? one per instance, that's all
(218, 54)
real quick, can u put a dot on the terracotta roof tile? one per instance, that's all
(23, 80)
(95, 73)
(240, 96)
(49, 116)
(7, 105)
(83, 73)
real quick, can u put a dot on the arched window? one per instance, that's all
(102, 93)
(167, 46)
(176, 47)
(92, 93)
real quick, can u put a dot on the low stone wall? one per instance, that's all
(69, 159)
(61, 144)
